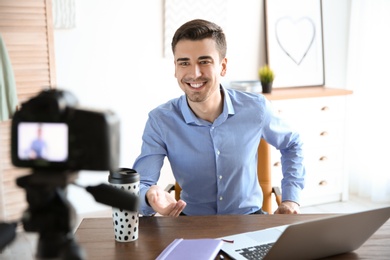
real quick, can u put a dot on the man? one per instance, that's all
(38, 146)
(210, 136)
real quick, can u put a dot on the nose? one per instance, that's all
(195, 71)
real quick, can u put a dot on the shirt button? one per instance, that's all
(218, 152)
(220, 177)
(221, 198)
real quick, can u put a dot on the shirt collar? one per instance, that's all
(228, 105)
(190, 118)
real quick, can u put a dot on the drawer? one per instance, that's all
(324, 159)
(321, 134)
(321, 166)
(316, 158)
(321, 196)
(324, 108)
(320, 186)
(317, 181)
(323, 187)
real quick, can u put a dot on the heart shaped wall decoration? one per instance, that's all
(295, 36)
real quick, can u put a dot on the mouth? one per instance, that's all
(196, 85)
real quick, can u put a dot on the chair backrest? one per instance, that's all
(264, 176)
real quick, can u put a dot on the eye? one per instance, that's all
(183, 63)
(204, 62)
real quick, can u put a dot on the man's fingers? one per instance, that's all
(286, 209)
(179, 206)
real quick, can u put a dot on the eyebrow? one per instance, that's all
(205, 58)
(200, 58)
(182, 59)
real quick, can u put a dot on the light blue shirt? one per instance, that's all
(215, 164)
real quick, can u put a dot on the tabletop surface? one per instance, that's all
(96, 235)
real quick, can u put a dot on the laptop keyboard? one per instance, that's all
(255, 252)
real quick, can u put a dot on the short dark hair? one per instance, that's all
(199, 29)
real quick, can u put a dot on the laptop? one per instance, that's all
(308, 240)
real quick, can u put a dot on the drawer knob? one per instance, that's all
(325, 108)
(323, 158)
(324, 133)
(323, 183)
(277, 164)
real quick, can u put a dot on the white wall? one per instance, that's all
(114, 59)
(336, 17)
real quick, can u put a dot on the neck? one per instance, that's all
(209, 109)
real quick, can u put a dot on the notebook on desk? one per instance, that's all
(308, 240)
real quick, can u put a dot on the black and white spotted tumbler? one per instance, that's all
(126, 223)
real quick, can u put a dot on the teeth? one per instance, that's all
(197, 85)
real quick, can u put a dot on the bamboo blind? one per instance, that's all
(26, 27)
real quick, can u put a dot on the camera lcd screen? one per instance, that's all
(43, 141)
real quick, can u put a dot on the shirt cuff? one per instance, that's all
(146, 209)
(291, 193)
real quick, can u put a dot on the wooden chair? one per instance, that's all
(264, 176)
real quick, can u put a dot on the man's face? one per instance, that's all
(198, 68)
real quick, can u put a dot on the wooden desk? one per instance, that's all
(96, 235)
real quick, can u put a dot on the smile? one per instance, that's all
(196, 85)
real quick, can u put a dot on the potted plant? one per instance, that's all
(266, 76)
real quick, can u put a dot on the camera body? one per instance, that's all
(50, 132)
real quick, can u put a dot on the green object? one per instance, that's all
(266, 75)
(8, 96)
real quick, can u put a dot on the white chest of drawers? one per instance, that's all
(319, 114)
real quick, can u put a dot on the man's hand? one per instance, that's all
(163, 202)
(288, 207)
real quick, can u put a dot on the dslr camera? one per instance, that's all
(50, 132)
(55, 137)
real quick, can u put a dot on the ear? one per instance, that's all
(223, 67)
(175, 68)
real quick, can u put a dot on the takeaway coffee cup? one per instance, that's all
(125, 222)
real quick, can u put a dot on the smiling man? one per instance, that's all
(210, 136)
